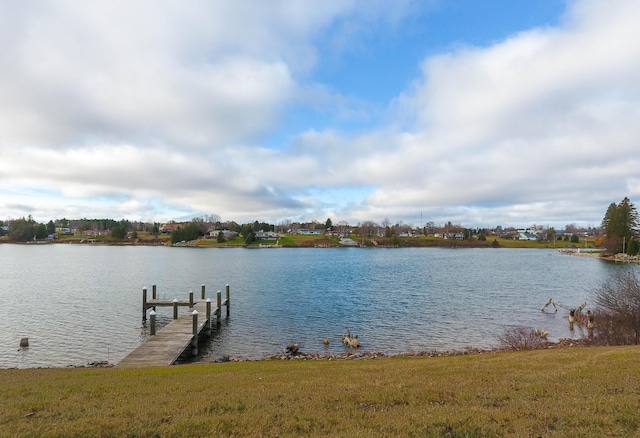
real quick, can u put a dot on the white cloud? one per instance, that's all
(547, 117)
(86, 73)
(160, 110)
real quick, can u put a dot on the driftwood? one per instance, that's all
(350, 340)
(575, 313)
(293, 348)
(541, 333)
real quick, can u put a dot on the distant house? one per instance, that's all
(310, 232)
(170, 228)
(96, 233)
(266, 235)
(526, 235)
(228, 234)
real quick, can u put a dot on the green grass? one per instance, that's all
(562, 392)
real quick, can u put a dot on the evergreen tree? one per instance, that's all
(23, 229)
(620, 225)
(188, 233)
(156, 230)
(250, 238)
(118, 232)
(328, 224)
(41, 231)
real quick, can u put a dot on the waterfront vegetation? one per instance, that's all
(552, 392)
(617, 234)
(300, 240)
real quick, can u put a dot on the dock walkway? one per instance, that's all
(170, 342)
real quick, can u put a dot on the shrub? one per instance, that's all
(190, 232)
(521, 338)
(618, 302)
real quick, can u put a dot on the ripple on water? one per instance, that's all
(79, 304)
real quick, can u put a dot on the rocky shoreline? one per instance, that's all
(367, 355)
(363, 355)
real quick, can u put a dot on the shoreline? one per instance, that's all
(367, 355)
(444, 244)
(598, 254)
(347, 355)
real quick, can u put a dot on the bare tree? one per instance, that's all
(212, 218)
(367, 228)
(618, 301)
(344, 228)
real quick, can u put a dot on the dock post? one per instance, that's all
(153, 322)
(144, 303)
(194, 341)
(208, 332)
(219, 309)
(175, 308)
(227, 301)
(153, 294)
(190, 299)
(202, 295)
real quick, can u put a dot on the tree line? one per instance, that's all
(619, 229)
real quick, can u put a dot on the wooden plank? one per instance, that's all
(170, 342)
(167, 303)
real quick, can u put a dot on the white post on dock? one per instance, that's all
(194, 341)
(144, 303)
(208, 332)
(228, 301)
(202, 295)
(219, 309)
(153, 322)
(175, 308)
(153, 294)
(190, 299)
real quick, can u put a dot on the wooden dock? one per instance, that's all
(169, 343)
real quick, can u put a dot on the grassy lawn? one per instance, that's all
(559, 392)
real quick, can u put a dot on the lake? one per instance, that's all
(82, 303)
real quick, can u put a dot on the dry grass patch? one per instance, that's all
(571, 392)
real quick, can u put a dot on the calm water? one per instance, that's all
(78, 304)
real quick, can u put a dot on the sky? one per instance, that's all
(482, 113)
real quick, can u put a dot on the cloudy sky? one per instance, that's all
(482, 113)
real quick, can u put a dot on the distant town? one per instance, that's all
(211, 231)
